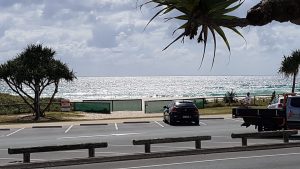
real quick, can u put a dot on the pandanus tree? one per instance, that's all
(203, 17)
(290, 66)
(35, 69)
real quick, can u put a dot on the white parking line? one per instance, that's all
(159, 124)
(116, 126)
(213, 160)
(91, 136)
(203, 123)
(69, 129)
(235, 120)
(14, 132)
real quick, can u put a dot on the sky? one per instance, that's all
(107, 38)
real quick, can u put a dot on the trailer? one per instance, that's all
(287, 117)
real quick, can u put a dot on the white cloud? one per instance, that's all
(107, 37)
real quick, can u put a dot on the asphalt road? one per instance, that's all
(119, 137)
(272, 159)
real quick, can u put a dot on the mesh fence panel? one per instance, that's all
(127, 105)
(96, 107)
(199, 102)
(156, 106)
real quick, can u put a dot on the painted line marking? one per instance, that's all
(124, 134)
(235, 120)
(203, 123)
(14, 132)
(213, 160)
(159, 124)
(116, 126)
(69, 129)
(221, 136)
(222, 142)
(110, 153)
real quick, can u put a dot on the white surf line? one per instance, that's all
(91, 136)
(159, 124)
(69, 129)
(203, 123)
(116, 126)
(213, 160)
(14, 132)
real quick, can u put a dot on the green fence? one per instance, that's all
(156, 106)
(122, 105)
(95, 107)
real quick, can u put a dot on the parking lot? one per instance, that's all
(119, 137)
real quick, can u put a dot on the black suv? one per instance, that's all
(181, 111)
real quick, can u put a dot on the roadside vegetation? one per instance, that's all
(14, 110)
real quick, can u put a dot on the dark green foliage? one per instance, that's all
(35, 68)
(230, 97)
(200, 18)
(290, 66)
(10, 104)
(273, 96)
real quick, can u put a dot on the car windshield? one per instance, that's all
(184, 104)
(295, 102)
(281, 101)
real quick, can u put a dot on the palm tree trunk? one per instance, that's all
(37, 102)
(294, 83)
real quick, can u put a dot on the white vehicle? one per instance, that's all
(287, 117)
(277, 103)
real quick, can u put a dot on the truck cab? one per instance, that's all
(293, 111)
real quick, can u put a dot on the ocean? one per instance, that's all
(165, 87)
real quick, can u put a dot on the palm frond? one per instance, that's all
(201, 15)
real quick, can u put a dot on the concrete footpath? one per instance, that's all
(114, 117)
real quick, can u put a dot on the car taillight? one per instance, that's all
(279, 105)
(174, 109)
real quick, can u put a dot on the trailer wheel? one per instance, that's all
(260, 128)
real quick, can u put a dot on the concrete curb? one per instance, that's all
(78, 161)
(46, 126)
(93, 124)
(133, 122)
(4, 129)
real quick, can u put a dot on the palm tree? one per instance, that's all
(290, 66)
(36, 69)
(201, 18)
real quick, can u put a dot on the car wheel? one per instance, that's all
(171, 122)
(165, 120)
(196, 122)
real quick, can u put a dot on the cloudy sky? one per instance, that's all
(107, 38)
